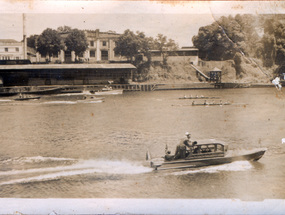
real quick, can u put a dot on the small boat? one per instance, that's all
(204, 154)
(26, 97)
(91, 99)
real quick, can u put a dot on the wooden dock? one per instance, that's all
(134, 87)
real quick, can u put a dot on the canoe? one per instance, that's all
(204, 154)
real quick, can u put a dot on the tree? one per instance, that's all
(76, 41)
(64, 29)
(268, 46)
(213, 43)
(32, 41)
(128, 45)
(228, 35)
(273, 42)
(49, 43)
(164, 45)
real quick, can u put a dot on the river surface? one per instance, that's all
(57, 147)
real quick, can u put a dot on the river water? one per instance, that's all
(56, 147)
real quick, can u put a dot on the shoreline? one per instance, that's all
(142, 86)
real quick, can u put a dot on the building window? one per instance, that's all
(17, 49)
(104, 43)
(92, 53)
(92, 43)
(104, 55)
(6, 49)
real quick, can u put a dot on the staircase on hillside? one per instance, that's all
(201, 73)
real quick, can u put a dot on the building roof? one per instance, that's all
(8, 41)
(188, 48)
(68, 66)
(183, 49)
(216, 69)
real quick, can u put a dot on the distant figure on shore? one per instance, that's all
(277, 84)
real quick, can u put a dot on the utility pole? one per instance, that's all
(24, 37)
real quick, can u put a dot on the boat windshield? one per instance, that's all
(207, 150)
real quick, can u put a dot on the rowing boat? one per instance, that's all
(199, 97)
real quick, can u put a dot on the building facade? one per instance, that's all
(100, 49)
(11, 50)
(101, 46)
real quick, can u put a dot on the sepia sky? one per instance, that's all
(177, 20)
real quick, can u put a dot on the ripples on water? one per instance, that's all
(60, 148)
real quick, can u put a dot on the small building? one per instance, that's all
(65, 74)
(185, 54)
(216, 75)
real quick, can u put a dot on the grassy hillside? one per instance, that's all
(248, 71)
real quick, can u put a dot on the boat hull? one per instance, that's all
(43, 91)
(191, 163)
(27, 98)
(109, 92)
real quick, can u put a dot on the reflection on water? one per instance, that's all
(56, 148)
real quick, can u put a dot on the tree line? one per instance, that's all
(129, 44)
(256, 36)
(51, 41)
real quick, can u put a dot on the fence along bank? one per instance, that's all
(65, 74)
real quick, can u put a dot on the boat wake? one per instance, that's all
(232, 167)
(79, 168)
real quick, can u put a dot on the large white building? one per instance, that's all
(100, 49)
(101, 46)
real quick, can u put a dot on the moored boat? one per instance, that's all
(91, 99)
(26, 97)
(42, 91)
(108, 92)
(204, 154)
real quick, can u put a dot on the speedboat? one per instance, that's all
(204, 154)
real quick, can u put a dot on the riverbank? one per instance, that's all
(10, 91)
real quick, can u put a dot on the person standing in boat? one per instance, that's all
(181, 148)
